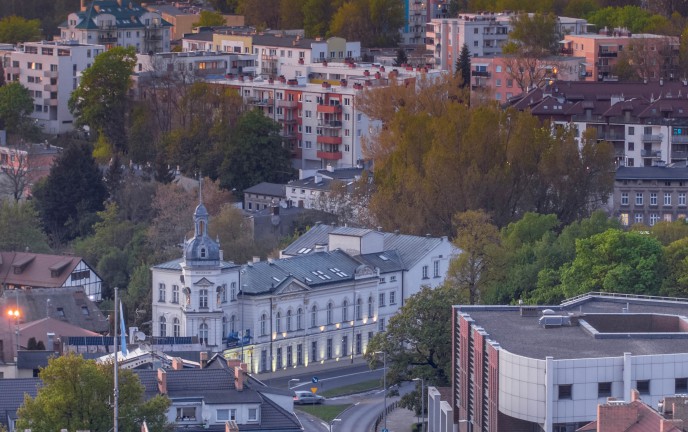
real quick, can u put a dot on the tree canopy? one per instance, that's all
(16, 29)
(102, 98)
(76, 395)
(20, 228)
(210, 19)
(16, 104)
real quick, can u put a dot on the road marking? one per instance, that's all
(338, 377)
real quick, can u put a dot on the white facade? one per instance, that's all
(51, 71)
(195, 65)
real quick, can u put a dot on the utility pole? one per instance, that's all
(116, 391)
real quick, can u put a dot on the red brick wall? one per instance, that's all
(464, 335)
(493, 388)
(479, 375)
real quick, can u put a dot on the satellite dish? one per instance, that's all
(139, 336)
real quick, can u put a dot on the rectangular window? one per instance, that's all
(624, 198)
(226, 414)
(381, 325)
(252, 414)
(329, 348)
(653, 198)
(425, 272)
(667, 198)
(279, 358)
(643, 387)
(314, 351)
(681, 386)
(161, 292)
(623, 218)
(345, 346)
(289, 356)
(186, 414)
(682, 199)
(631, 130)
(436, 269)
(392, 297)
(565, 391)
(654, 218)
(299, 352)
(359, 344)
(639, 198)
(638, 218)
(382, 299)
(604, 389)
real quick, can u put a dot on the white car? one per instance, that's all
(306, 397)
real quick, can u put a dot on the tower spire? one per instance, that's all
(200, 187)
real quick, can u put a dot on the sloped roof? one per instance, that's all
(651, 173)
(12, 393)
(36, 270)
(265, 188)
(126, 16)
(41, 327)
(34, 359)
(342, 173)
(387, 261)
(176, 264)
(644, 419)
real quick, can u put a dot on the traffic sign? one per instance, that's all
(385, 430)
(314, 389)
(314, 380)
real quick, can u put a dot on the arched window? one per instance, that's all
(175, 327)
(203, 298)
(232, 324)
(289, 320)
(278, 322)
(314, 316)
(299, 319)
(345, 310)
(163, 326)
(203, 333)
(263, 324)
(370, 307)
(359, 308)
(329, 313)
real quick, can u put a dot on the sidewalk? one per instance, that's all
(399, 420)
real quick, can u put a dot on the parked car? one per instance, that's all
(306, 397)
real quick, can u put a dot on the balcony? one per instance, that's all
(107, 39)
(679, 154)
(329, 109)
(566, 51)
(337, 155)
(287, 103)
(50, 74)
(324, 139)
(480, 73)
(679, 139)
(608, 54)
(153, 37)
(652, 138)
(107, 27)
(50, 102)
(259, 102)
(611, 136)
(50, 87)
(288, 120)
(651, 153)
(330, 124)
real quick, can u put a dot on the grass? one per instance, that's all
(323, 412)
(352, 389)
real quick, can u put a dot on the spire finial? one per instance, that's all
(200, 187)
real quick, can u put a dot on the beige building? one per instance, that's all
(183, 19)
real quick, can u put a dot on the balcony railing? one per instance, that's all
(651, 153)
(566, 51)
(652, 138)
(608, 54)
(480, 73)
(324, 139)
(611, 136)
(329, 109)
(287, 103)
(679, 139)
(107, 39)
(330, 124)
(329, 155)
(679, 154)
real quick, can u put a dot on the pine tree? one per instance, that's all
(463, 66)
(402, 58)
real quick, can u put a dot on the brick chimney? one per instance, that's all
(83, 5)
(177, 363)
(162, 381)
(232, 363)
(616, 417)
(204, 359)
(239, 378)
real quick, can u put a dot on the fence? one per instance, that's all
(380, 418)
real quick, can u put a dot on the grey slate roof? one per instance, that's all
(125, 16)
(282, 41)
(522, 335)
(309, 182)
(651, 173)
(342, 173)
(176, 264)
(33, 359)
(409, 248)
(264, 276)
(387, 261)
(265, 188)
(12, 395)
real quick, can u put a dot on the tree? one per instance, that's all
(401, 58)
(17, 175)
(16, 104)
(475, 235)
(349, 202)
(20, 228)
(291, 14)
(225, 6)
(260, 13)
(76, 395)
(235, 233)
(317, 15)
(417, 341)
(535, 35)
(16, 29)
(581, 8)
(645, 59)
(615, 261)
(254, 154)
(210, 19)
(373, 22)
(68, 198)
(102, 98)
(683, 54)
(463, 66)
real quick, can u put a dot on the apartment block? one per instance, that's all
(194, 65)
(117, 23)
(417, 13)
(182, 17)
(51, 71)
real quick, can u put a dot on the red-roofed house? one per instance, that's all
(22, 270)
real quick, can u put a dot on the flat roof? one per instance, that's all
(523, 335)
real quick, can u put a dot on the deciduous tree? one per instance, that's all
(16, 29)
(15, 106)
(20, 228)
(209, 19)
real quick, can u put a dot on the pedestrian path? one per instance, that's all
(399, 420)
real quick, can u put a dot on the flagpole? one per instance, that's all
(116, 393)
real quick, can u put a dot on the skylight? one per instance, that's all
(383, 258)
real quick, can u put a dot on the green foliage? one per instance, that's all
(401, 58)
(260, 13)
(16, 29)
(581, 8)
(615, 261)
(254, 154)
(210, 19)
(68, 198)
(291, 14)
(463, 66)
(225, 6)
(20, 228)
(317, 15)
(534, 35)
(16, 104)
(102, 98)
(76, 395)
(417, 342)
(373, 22)
(633, 18)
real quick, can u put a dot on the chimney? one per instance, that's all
(204, 359)
(232, 363)
(83, 5)
(222, 255)
(635, 395)
(177, 363)
(162, 381)
(50, 346)
(239, 378)
(256, 259)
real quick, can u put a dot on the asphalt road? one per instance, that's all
(328, 379)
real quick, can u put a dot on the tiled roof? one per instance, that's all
(33, 359)
(265, 188)
(12, 393)
(651, 173)
(36, 270)
(285, 41)
(310, 183)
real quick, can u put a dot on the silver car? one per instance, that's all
(306, 397)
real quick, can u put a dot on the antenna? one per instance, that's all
(200, 187)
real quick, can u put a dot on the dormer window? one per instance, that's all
(203, 253)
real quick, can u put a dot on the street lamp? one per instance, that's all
(292, 380)
(422, 402)
(333, 422)
(15, 314)
(384, 380)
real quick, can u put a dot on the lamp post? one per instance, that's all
(384, 381)
(333, 422)
(15, 314)
(292, 380)
(422, 402)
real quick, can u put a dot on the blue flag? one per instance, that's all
(123, 331)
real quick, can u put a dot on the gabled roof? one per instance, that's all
(36, 270)
(34, 359)
(387, 261)
(341, 173)
(126, 16)
(12, 393)
(265, 188)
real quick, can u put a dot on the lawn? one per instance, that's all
(352, 389)
(323, 412)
